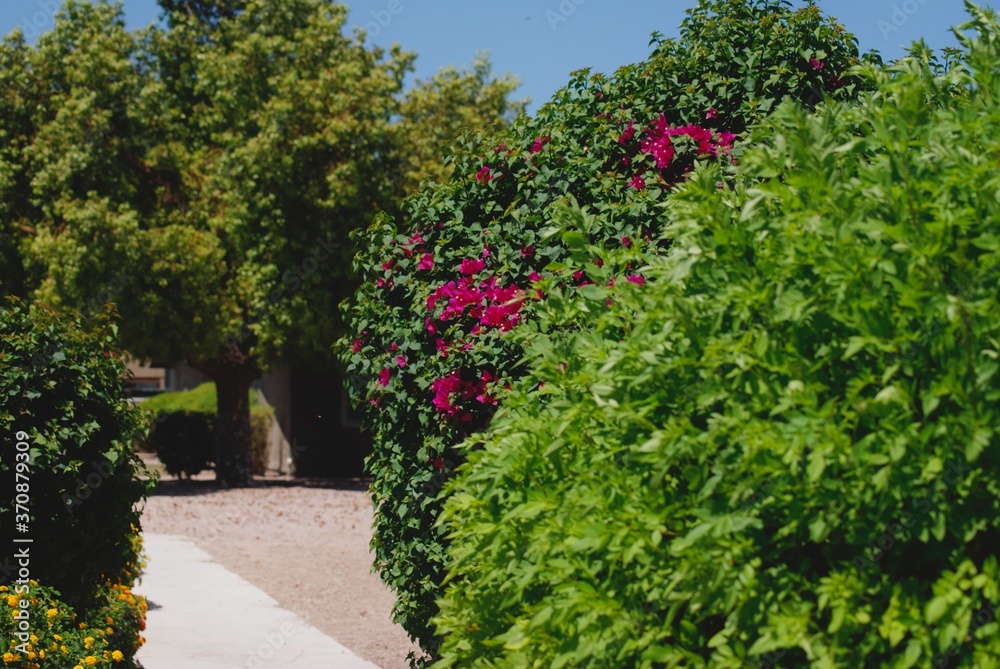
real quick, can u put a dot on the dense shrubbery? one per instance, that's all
(108, 635)
(63, 396)
(445, 285)
(67, 460)
(782, 449)
(183, 430)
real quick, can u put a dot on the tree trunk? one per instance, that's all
(233, 371)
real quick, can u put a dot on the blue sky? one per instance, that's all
(542, 41)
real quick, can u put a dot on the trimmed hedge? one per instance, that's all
(782, 449)
(183, 430)
(446, 283)
(68, 431)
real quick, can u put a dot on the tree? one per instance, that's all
(452, 103)
(214, 171)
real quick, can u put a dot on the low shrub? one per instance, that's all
(183, 434)
(71, 480)
(781, 448)
(446, 283)
(108, 635)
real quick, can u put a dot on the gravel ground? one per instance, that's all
(305, 543)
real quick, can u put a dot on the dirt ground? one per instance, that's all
(304, 543)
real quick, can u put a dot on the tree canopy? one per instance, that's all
(204, 176)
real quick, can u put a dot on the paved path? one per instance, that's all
(203, 616)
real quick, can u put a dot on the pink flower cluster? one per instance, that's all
(493, 306)
(658, 143)
(451, 390)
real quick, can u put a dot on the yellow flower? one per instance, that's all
(111, 630)
(32, 655)
(90, 660)
(117, 656)
(52, 613)
(78, 667)
(41, 654)
(33, 638)
(3, 588)
(63, 649)
(83, 626)
(109, 620)
(57, 637)
(88, 642)
(12, 600)
(8, 658)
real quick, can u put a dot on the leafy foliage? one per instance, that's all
(782, 449)
(63, 393)
(203, 175)
(446, 282)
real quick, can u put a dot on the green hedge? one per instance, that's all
(183, 429)
(445, 284)
(782, 450)
(67, 433)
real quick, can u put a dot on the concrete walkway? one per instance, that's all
(203, 616)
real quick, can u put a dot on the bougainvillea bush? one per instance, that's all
(446, 283)
(781, 449)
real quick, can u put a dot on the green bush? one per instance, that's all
(183, 429)
(67, 447)
(184, 441)
(108, 635)
(445, 284)
(782, 450)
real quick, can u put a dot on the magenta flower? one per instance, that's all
(658, 143)
(726, 138)
(442, 347)
(626, 242)
(471, 266)
(356, 346)
(426, 262)
(816, 64)
(430, 326)
(528, 251)
(628, 134)
(401, 360)
(637, 182)
(539, 143)
(388, 264)
(712, 112)
(383, 377)
(636, 279)
(534, 277)
(484, 176)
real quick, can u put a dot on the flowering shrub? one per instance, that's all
(107, 636)
(446, 284)
(781, 450)
(78, 476)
